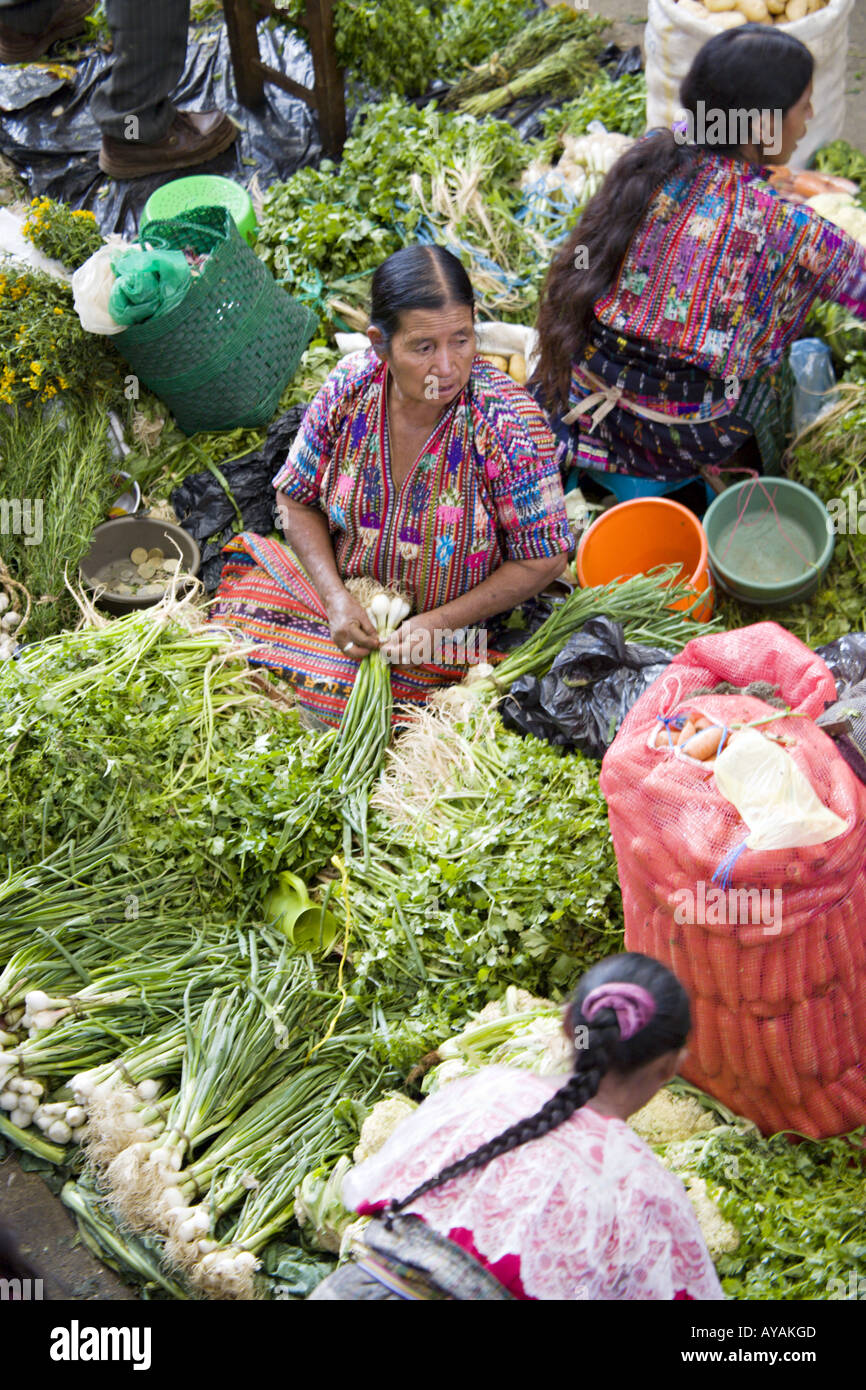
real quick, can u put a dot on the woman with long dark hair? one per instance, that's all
(418, 465)
(511, 1185)
(668, 310)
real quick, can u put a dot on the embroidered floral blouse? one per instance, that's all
(723, 271)
(584, 1212)
(484, 489)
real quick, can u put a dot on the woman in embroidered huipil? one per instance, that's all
(668, 312)
(419, 465)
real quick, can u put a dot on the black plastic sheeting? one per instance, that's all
(846, 658)
(205, 510)
(58, 154)
(587, 692)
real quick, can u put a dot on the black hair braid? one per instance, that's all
(591, 1064)
(599, 1048)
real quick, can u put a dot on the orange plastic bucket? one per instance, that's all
(634, 537)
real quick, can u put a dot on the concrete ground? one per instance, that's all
(47, 1236)
(630, 18)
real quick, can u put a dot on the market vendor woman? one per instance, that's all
(418, 465)
(669, 309)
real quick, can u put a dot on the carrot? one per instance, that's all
(818, 958)
(797, 947)
(676, 944)
(662, 738)
(723, 955)
(849, 1099)
(773, 978)
(685, 732)
(731, 1039)
(704, 1037)
(828, 1040)
(701, 971)
(840, 950)
(799, 1120)
(751, 962)
(804, 1044)
(822, 1110)
(777, 1046)
(773, 1113)
(758, 1066)
(704, 744)
(844, 1022)
(701, 722)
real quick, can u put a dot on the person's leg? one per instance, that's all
(149, 55)
(142, 131)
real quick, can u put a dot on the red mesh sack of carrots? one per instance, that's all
(740, 835)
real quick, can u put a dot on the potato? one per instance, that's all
(776, 6)
(756, 11)
(729, 20)
(796, 9)
(717, 6)
(517, 367)
(500, 362)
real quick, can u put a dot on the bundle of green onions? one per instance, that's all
(515, 70)
(643, 605)
(358, 750)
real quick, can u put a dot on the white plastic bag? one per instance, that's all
(14, 243)
(91, 285)
(674, 36)
(774, 798)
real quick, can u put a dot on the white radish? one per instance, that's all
(60, 1133)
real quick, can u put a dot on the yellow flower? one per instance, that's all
(63, 383)
(33, 383)
(36, 368)
(57, 309)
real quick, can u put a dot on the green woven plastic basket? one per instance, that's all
(183, 196)
(223, 356)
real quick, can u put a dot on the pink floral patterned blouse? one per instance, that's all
(585, 1212)
(484, 489)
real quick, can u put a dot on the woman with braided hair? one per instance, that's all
(519, 1186)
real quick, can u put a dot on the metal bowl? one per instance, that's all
(114, 540)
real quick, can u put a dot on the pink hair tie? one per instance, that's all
(633, 1005)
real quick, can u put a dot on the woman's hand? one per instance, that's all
(412, 643)
(350, 626)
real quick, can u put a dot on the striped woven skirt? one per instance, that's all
(266, 598)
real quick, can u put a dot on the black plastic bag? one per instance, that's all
(587, 692)
(845, 723)
(621, 63)
(846, 658)
(205, 510)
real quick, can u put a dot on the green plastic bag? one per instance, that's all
(148, 284)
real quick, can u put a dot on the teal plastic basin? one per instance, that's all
(770, 541)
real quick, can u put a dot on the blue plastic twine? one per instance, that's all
(724, 873)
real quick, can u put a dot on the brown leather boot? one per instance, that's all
(192, 138)
(16, 47)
